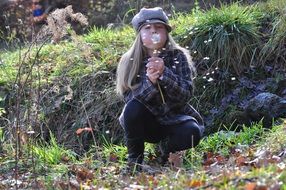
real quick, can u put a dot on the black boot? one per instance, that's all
(135, 148)
(162, 151)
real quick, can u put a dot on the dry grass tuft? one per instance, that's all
(58, 23)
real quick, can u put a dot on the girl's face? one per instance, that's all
(154, 36)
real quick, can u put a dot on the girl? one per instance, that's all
(155, 79)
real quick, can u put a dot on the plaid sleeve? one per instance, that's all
(144, 92)
(177, 81)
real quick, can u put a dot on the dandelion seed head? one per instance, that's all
(156, 38)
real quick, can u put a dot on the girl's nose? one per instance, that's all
(153, 29)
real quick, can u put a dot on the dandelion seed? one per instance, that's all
(30, 132)
(213, 72)
(204, 77)
(206, 58)
(156, 38)
(138, 76)
(107, 132)
(177, 62)
(185, 37)
(233, 78)
(195, 52)
(210, 79)
(175, 58)
(205, 41)
(207, 74)
(191, 32)
(216, 68)
(20, 21)
(204, 87)
(187, 47)
(174, 66)
(165, 87)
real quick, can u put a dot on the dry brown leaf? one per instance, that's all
(195, 183)
(240, 161)
(176, 159)
(80, 130)
(250, 186)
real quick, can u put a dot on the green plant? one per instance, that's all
(52, 153)
(274, 50)
(227, 37)
(113, 151)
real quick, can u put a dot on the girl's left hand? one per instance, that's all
(155, 68)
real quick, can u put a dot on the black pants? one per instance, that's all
(140, 126)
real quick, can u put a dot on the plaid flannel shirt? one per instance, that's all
(176, 86)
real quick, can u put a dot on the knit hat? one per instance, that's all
(150, 16)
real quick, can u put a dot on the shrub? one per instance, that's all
(228, 37)
(274, 50)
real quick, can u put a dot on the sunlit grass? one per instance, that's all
(228, 36)
(52, 153)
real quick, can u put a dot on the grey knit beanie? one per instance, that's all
(150, 16)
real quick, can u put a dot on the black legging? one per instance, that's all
(140, 126)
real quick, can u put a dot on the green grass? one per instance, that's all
(228, 36)
(52, 153)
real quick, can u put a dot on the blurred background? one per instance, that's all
(20, 18)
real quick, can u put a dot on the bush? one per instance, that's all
(227, 37)
(274, 50)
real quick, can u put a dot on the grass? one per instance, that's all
(101, 169)
(77, 90)
(228, 36)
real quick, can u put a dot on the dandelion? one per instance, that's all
(156, 38)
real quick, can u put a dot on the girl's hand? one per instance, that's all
(153, 75)
(155, 68)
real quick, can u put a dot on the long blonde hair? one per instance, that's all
(130, 63)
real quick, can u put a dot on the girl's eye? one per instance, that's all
(147, 27)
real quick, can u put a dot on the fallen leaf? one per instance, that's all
(250, 186)
(80, 130)
(176, 159)
(195, 183)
